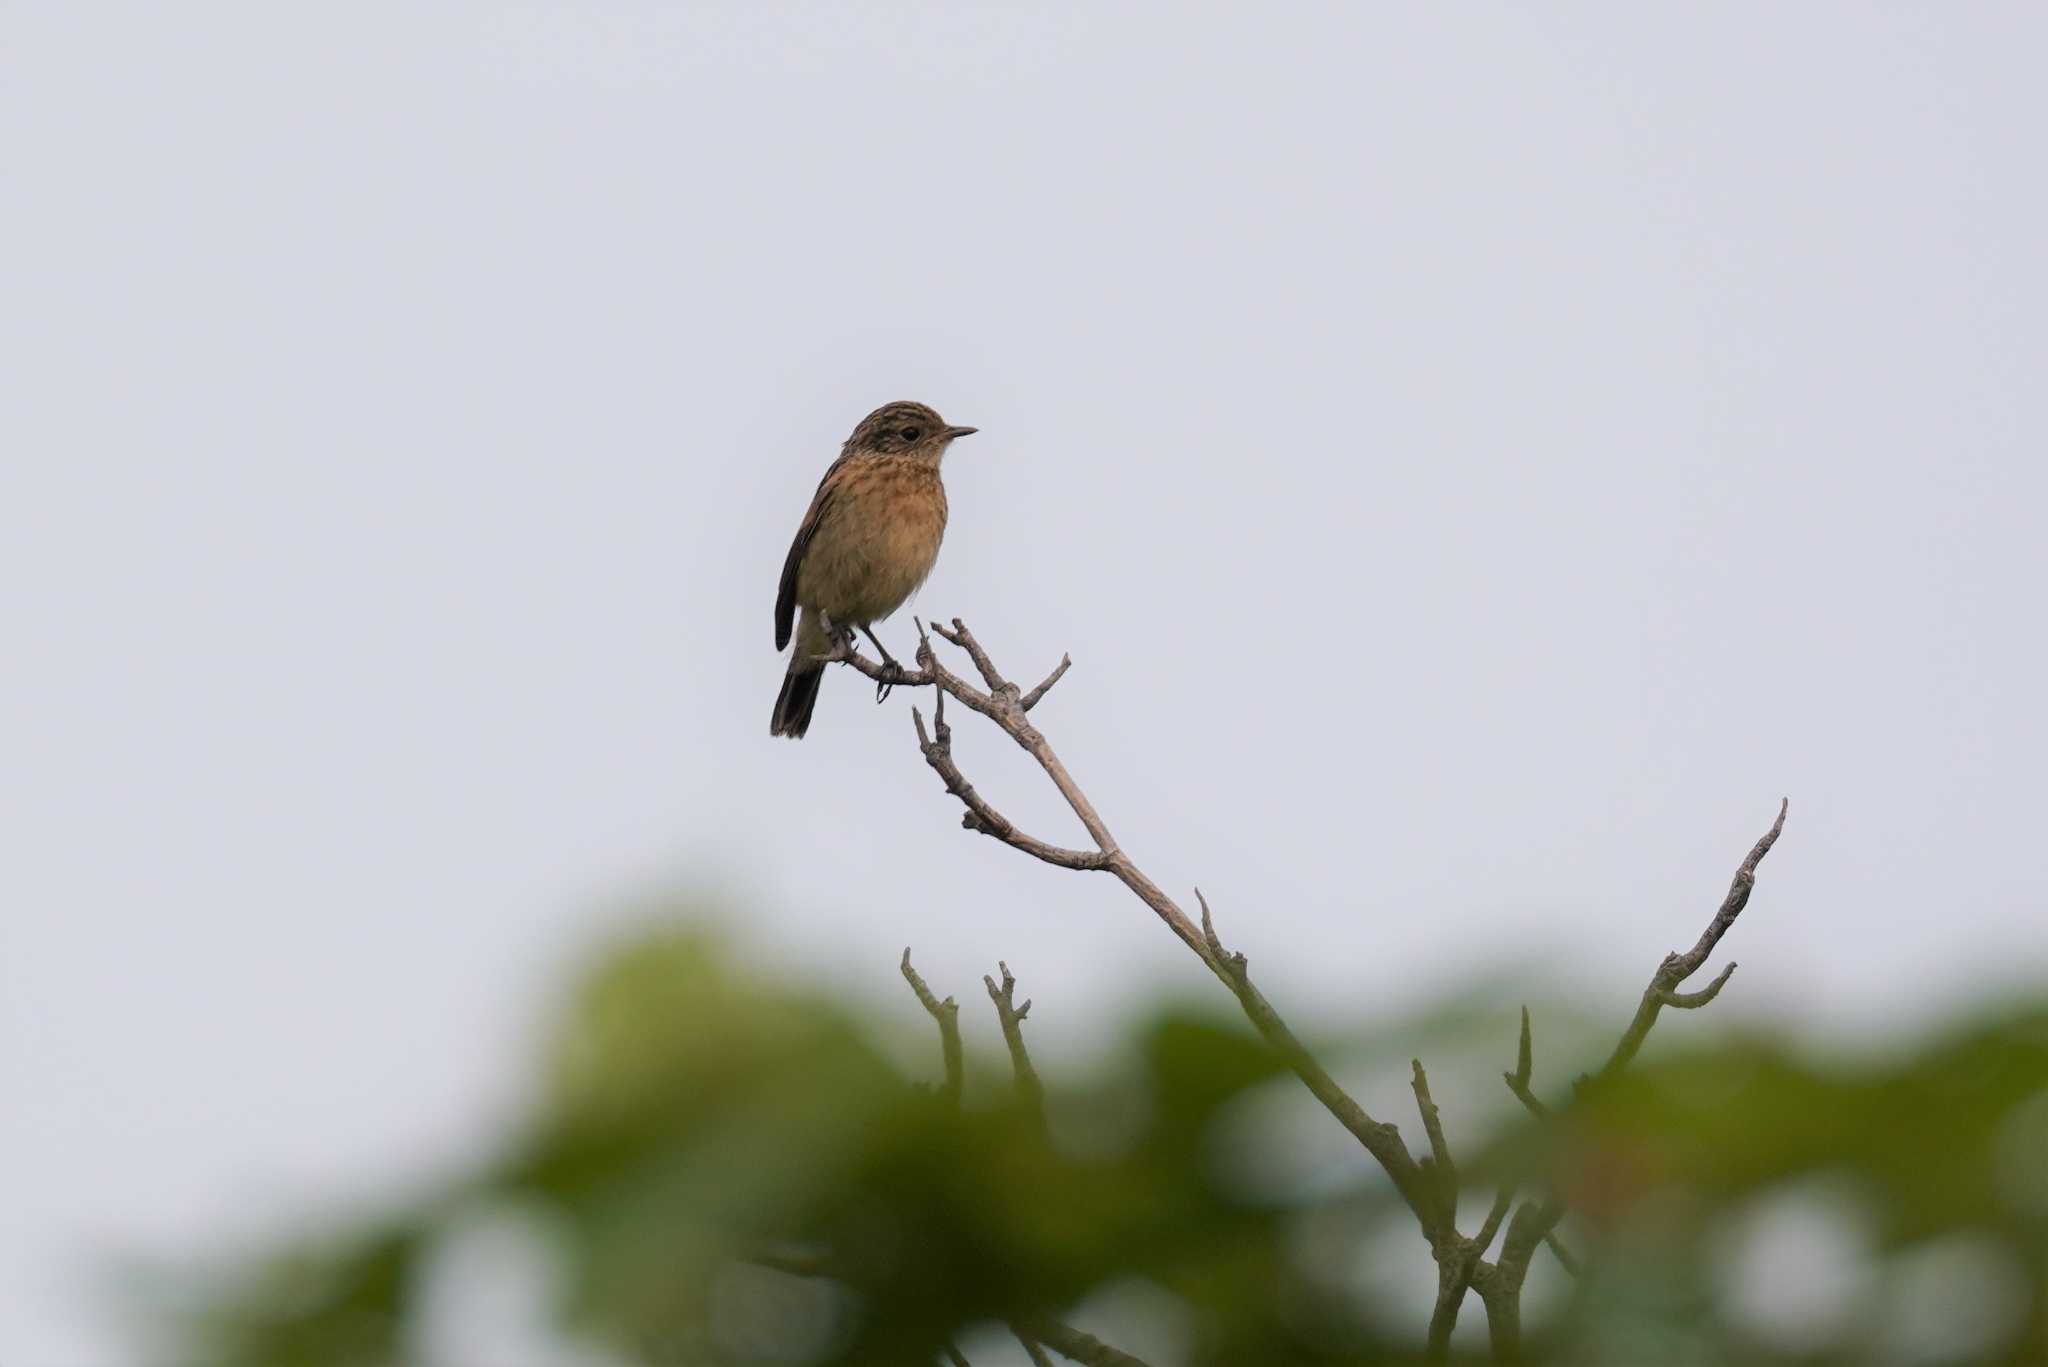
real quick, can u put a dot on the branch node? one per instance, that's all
(1484, 1238)
(1676, 967)
(1209, 925)
(1005, 707)
(1692, 1001)
(1525, 1063)
(947, 1014)
(963, 638)
(1428, 1185)
(1230, 961)
(1029, 1089)
(1439, 1148)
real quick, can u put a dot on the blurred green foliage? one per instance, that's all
(726, 1169)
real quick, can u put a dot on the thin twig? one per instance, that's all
(1564, 1257)
(1031, 699)
(953, 1356)
(1532, 1220)
(1006, 710)
(947, 1014)
(981, 815)
(844, 652)
(1677, 967)
(1381, 1140)
(1026, 735)
(1500, 1286)
(1439, 1148)
(1004, 706)
(1484, 1238)
(1455, 1276)
(1460, 1261)
(1030, 1091)
(1536, 1221)
(1692, 1001)
(962, 637)
(1518, 1081)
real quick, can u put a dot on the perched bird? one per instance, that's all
(869, 539)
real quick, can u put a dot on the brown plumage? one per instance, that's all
(870, 537)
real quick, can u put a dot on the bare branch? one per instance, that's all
(1038, 1355)
(980, 814)
(1564, 1257)
(928, 674)
(962, 637)
(953, 1357)
(1007, 712)
(843, 651)
(1503, 1318)
(1532, 1221)
(947, 1014)
(1452, 1284)
(1029, 1089)
(1428, 1186)
(1536, 1221)
(1439, 1148)
(1518, 1081)
(1455, 1276)
(1739, 889)
(1676, 967)
(1501, 1291)
(1164, 907)
(1004, 706)
(1382, 1141)
(1005, 709)
(1484, 1238)
(1692, 1001)
(1031, 699)
(1500, 1286)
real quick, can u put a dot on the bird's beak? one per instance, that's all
(954, 432)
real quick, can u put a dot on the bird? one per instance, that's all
(869, 538)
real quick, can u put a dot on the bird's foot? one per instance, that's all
(892, 672)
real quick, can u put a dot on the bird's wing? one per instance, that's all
(785, 593)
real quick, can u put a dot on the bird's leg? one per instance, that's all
(880, 649)
(839, 635)
(891, 671)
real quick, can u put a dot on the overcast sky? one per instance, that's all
(1479, 458)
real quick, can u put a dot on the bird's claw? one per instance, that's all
(838, 633)
(891, 672)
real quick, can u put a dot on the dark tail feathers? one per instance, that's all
(794, 703)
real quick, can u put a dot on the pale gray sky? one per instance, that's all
(1479, 458)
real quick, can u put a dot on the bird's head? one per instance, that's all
(903, 429)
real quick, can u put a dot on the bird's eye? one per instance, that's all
(910, 434)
